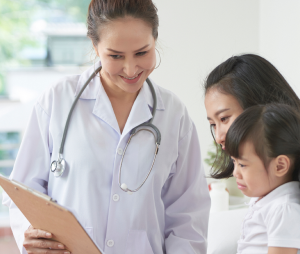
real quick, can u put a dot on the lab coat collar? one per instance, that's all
(141, 109)
(91, 91)
(287, 188)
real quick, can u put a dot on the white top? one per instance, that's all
(169, 214)
(273, 221)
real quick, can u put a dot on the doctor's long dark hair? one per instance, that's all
(273, 129)
(101, 12)
(252, 80)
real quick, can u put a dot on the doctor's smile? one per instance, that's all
(133, 79)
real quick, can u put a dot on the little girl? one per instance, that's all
(264, 144)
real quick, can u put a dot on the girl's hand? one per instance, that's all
(279, 250)
(36, 242)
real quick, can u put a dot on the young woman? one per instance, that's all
(166, 214)
(264, 144)
(236, 84)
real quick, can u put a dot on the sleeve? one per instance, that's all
(187, 201)
(283, 226)
(31, 168)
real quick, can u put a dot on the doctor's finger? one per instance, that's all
(43, 244)
(36, 233)
(46, 251)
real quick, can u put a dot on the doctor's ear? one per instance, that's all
(281, 165)
(96, 50)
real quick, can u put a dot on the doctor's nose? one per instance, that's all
(130, 68)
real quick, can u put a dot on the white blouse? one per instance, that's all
(169, 214)
(273, 221)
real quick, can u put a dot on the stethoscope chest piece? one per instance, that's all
(58, 167)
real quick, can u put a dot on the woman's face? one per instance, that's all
(127, 53)
(222, 109)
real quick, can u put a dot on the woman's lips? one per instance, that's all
(132, 81)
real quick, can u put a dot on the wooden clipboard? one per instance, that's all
(43, 213)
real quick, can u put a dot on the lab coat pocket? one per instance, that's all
(137, 243)
(90, 231)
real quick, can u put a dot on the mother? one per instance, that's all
(236, 84)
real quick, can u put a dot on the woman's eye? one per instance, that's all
(212, 125)
(242, 166)
(224, 119)
(141, 53)
(116, 56)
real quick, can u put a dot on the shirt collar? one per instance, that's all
(282, 190)
(91, 91)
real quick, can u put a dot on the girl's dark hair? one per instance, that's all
(274, 130)
(252, 80)
(101, 12)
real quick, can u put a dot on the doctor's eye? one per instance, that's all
(141, 53)
(116, 56)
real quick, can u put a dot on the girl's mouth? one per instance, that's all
(240, 186)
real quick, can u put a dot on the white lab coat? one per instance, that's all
(169, 214)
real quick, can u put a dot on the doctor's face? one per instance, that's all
(127, 53)
(222, 109)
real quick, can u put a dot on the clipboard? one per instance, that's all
(44, 213)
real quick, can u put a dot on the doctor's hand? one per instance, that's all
(38, 242)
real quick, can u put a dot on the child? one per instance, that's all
(264, 144)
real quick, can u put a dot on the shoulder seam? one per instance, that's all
(189, 131)
(42, 109)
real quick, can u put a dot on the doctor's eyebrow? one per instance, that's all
(218, 112)
(119, 52)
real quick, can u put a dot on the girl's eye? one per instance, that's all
(242, 166)
(141, 53)
(116, 56)
(224, 119)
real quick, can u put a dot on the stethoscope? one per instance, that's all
(58, 167)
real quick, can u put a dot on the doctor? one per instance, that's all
(169, 213)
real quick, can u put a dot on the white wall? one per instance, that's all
(279, 34)
(196, 36)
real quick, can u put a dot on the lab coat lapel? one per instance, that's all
(104, 110)
(139, 113)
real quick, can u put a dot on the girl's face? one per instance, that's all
(253, 179)
(222, 109)
(127, 53)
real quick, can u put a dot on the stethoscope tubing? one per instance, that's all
(58, 167)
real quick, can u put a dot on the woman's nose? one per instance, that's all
(130, 68)
(220, 136)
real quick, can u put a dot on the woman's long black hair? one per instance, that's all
(252, 80)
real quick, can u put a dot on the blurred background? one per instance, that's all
(44, 40)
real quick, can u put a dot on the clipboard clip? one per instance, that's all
(37, 193)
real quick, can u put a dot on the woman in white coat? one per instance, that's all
(169, 214)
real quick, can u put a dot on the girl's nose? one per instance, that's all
(236, 172)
